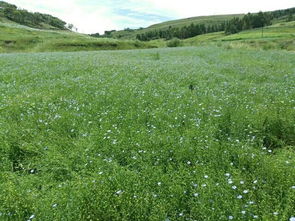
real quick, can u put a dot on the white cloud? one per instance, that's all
(99, 15)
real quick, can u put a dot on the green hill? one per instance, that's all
(199, 20)
(12, 13)
(190, 27)
(278, 36)
(19, 38)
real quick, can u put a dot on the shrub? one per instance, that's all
(175, 42)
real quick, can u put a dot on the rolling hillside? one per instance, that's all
(186, 28)
(278, 36)
(206, 20)
(45, 37)
(23, 31)
(19, 38)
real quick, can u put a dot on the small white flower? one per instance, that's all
(242, 182)
(230, 217)
(255, 217)
(275, 213)
(234, 187)
(227, 174)
(292, 218)
(230, 181)
(293, 187)
(119, 192)
(243, 212)
(239, 196)
(204, 185)
(159, 183)
(180, 214)
(32, 217)
(196, 194)
(255, 181)
(206, 176)
(246, 191)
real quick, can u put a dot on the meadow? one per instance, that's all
(192, 133)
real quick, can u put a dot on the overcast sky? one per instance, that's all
(91, 16)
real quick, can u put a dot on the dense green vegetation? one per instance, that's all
(182, 33)
(191, 133)
(199, 133)
(258, 20)
(36, 20)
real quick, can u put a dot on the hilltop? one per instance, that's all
(11, 13)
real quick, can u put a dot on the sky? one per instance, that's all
(97, 16)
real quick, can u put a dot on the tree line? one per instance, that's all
(30, 19)
(181, 33)
(249, 21)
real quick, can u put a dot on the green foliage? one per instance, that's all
(278, 133)
(175, 42)
(36, 20)
(195, 133)
(249, 21)
(156, 56)
(182, 33)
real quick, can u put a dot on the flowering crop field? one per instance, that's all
(196, 133)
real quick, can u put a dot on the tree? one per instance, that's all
(290, 17)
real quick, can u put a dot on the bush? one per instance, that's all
(175, 42)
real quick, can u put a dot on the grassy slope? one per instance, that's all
(214, 19)
(278, 36)
(120, 135)
(19, 38)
